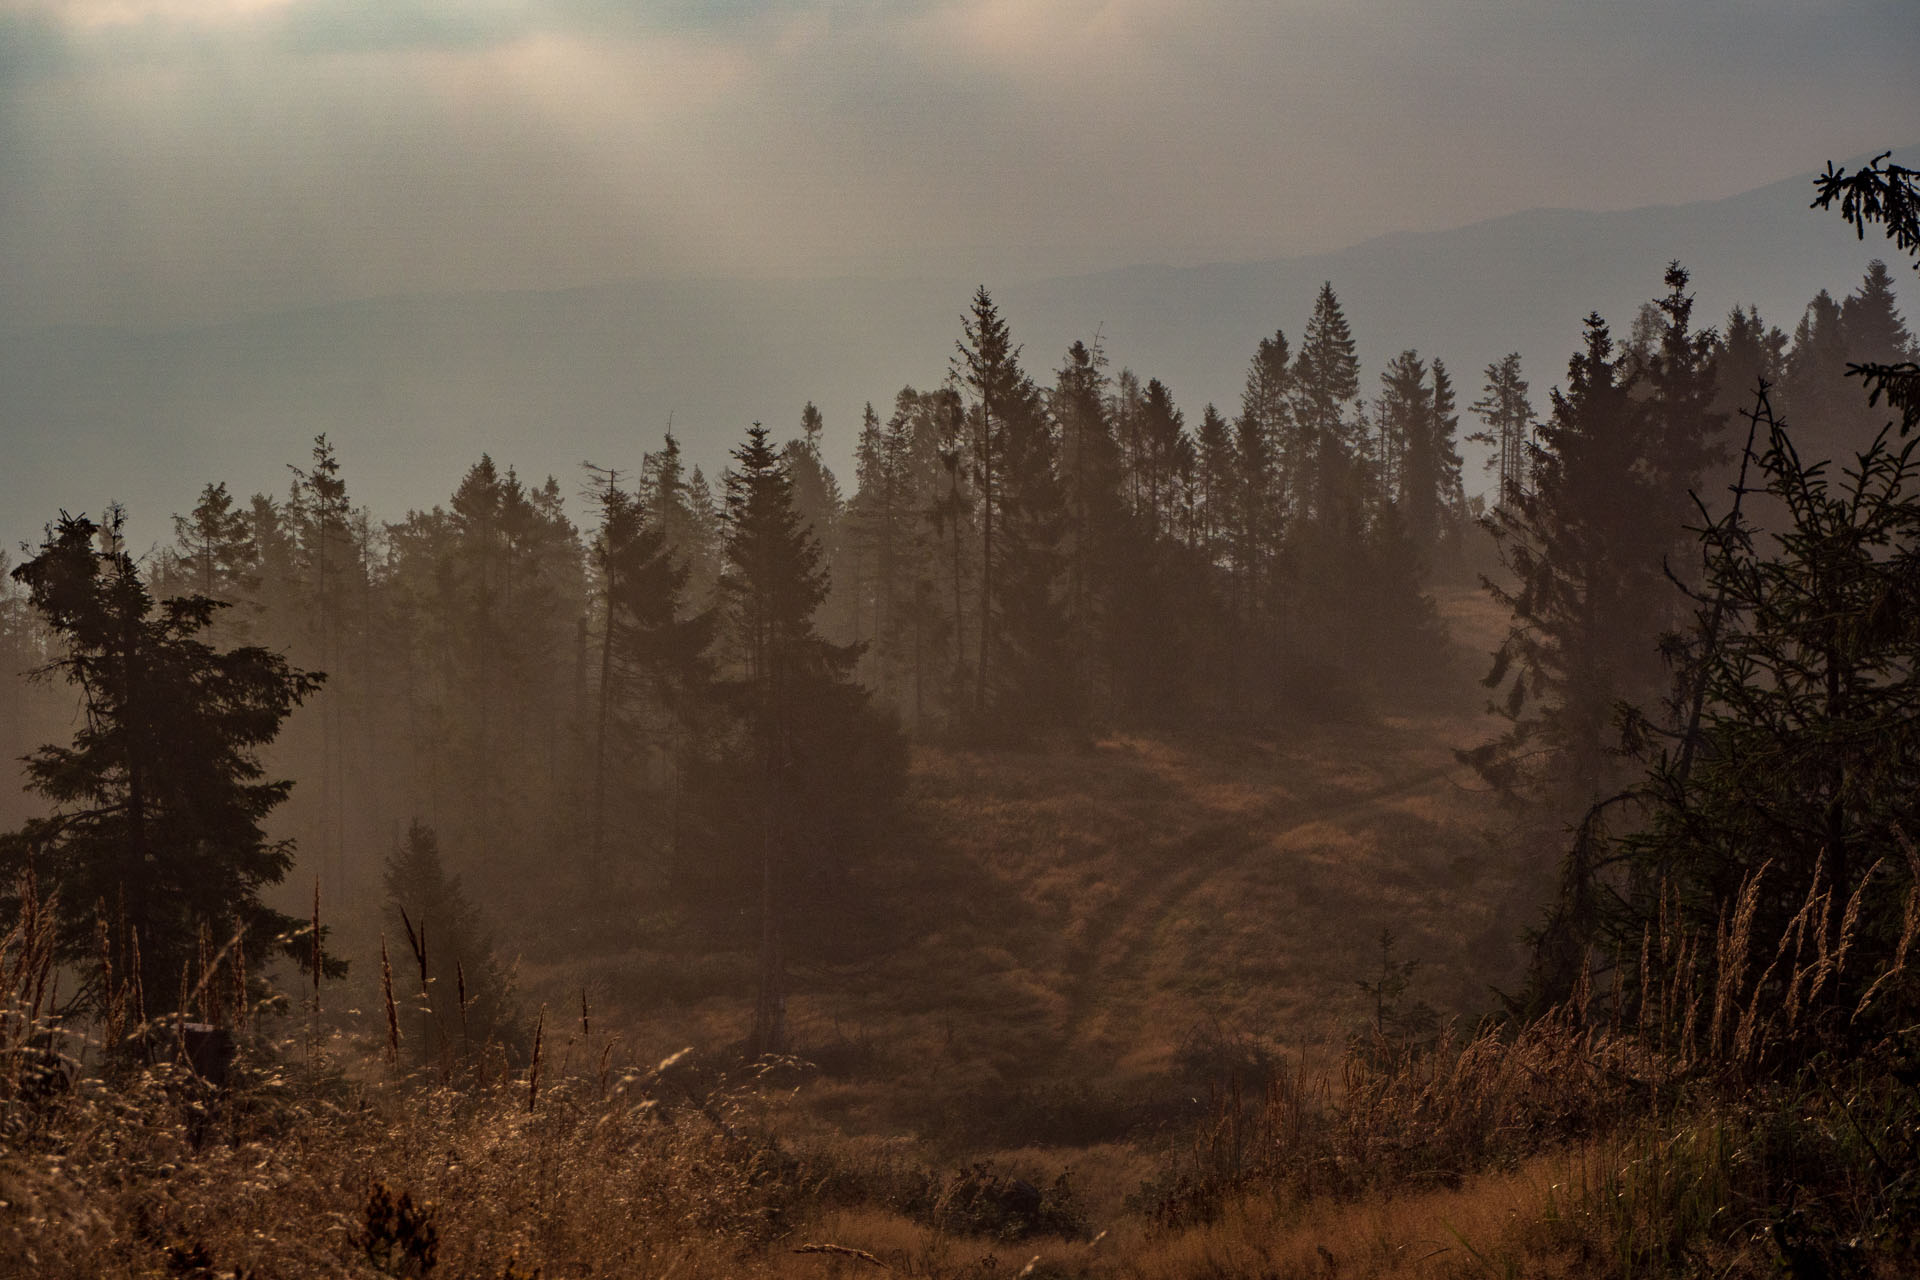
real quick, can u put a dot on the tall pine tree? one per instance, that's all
(159, 803)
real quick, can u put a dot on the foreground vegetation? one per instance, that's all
(1561, 1150)
(968, 1107)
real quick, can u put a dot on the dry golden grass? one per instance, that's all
(274, 1181)
(1498, 1224)
(1465, 1159)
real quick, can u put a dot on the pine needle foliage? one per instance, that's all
(1887, 195)
(1793, 783)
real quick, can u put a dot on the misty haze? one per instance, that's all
(958, 639)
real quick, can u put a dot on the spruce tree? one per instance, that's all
(704, 536)
(1814, 393)
(1450, 489)
(272, 552)
(1585, 547)
(816, 492)
(950, 512)
(1887, 195)
(1782, 795)
(475, 568)
(1870, 317)
(859, 537)
(1505, 408)
(1751, 352)
(1163, 430)
(683, 508)
(214, 546)
(652, 672)
(821, 764)
(921, 629)
(1590, 547)
(1214, 480)
(1409, 467)
(1686, 434)
(328, 568)
(1126, 410)
(1090, 471)
(159, 802)
(880, 518)
(1799, 770)
(489, 601)
(1266, 447)
(1342, 534)
(988, 367)
(464, 993)
(1326, 379)
(1034, 689)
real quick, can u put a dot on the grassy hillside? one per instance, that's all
(1107, 1021)
(1069, 920)
(1074, 947)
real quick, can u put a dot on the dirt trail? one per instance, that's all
(1113, 897)
(1108, 959)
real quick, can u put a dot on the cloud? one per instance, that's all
(31, 44)
(194, 157)
(354, 26)
(89, 30)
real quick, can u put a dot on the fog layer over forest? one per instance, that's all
(402, 381)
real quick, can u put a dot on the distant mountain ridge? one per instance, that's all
(413, 389)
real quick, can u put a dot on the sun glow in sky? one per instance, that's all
(179, 159)
(94, 14)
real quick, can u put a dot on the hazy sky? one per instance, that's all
(164, 160)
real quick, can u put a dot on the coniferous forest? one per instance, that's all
(1099, 835)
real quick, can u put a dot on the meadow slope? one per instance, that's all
(1070, 919)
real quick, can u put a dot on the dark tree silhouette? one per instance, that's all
(988, 366)
(465, 994)
(158, 802)
(822, 765)
(1504, 407)
(1886, 195)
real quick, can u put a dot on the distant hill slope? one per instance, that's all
(413, 389)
